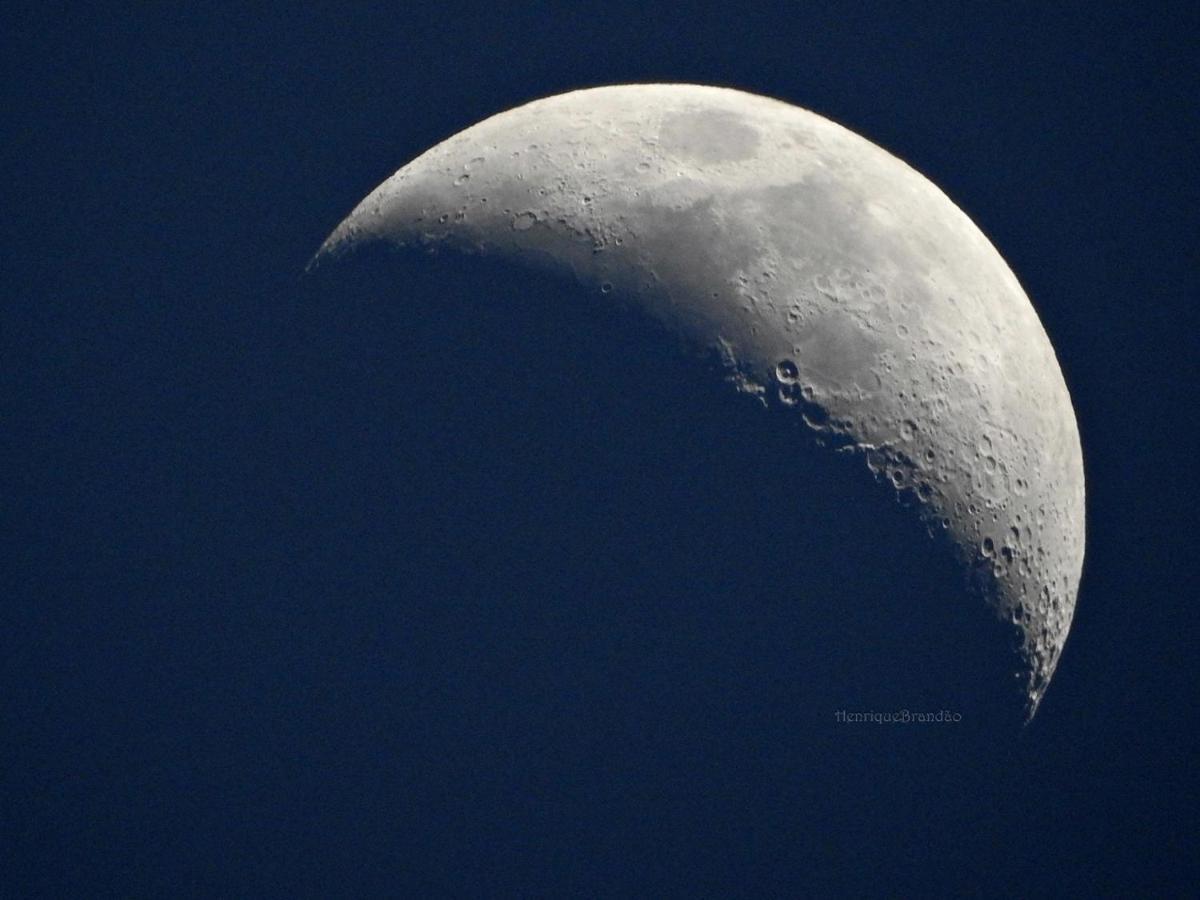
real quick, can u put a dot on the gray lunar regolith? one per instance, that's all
(837, 283)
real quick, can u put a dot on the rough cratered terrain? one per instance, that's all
(836, 283)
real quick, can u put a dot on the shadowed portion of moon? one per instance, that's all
(833, 284)
(637, 547)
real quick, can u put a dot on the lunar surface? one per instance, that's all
(835, 284)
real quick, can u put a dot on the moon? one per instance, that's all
(835, 283)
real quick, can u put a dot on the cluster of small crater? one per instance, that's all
(993, 515)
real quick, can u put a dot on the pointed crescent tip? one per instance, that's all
(314, 261)
(331, 247)
(1030, 712)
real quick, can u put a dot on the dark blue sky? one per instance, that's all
(229, 667)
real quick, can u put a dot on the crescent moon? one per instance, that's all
(837, 284)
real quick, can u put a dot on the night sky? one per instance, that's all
(304, 596)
